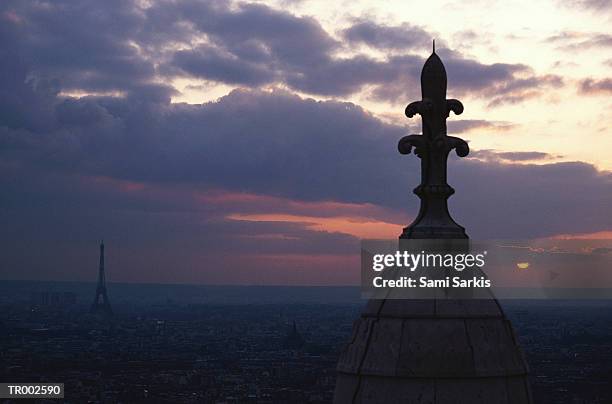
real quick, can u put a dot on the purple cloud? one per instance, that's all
(595, 86)
(132, 167)
(405, 36)
(124, 48)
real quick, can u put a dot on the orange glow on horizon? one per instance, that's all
(360, 227)
(599, 235)
(327, 208)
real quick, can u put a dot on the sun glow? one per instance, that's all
(360, 227)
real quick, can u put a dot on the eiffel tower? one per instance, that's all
(101, 303)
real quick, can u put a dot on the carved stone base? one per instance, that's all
(432, 351)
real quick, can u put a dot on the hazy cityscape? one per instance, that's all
(172, 343)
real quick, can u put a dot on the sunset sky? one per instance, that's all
(255, 142)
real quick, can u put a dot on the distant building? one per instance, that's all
(293, 339)
(101, 304)
(56, 299)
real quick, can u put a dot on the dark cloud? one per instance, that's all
(83, 45)
(128, 48)
(501, 83)
(215, 144)
(299, 53)
(252, 33)
(295, 41)
(214, 64)
(139, 175)
(133, 167)
(247, 139)
(595, 86)
(404, 36)
(529, 199)
(346, 76)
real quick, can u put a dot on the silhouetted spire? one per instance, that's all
(432, 147)
(101, 302)
(433, 79)
(438, 350)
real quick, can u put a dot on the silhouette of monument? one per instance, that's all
(101, 303)
(432, 147)
(438, 350)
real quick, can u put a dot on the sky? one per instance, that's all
(220, 142)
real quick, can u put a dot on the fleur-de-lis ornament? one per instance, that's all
(433, 147)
